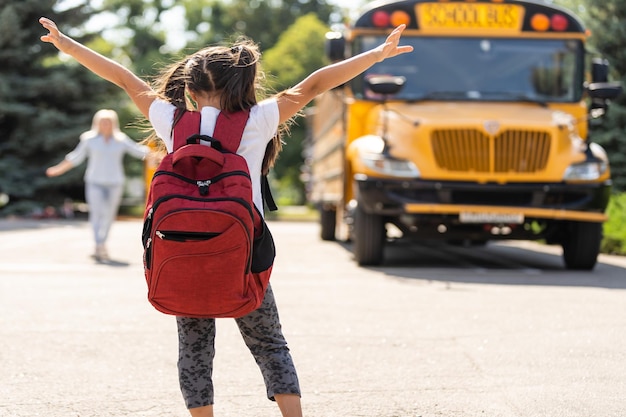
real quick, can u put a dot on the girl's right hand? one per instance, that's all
(54, 36)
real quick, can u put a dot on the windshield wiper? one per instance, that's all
(478, 95)
(513, 96)
(440, 95)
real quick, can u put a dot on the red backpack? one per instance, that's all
(207, 250)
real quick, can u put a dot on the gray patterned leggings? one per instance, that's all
(261, 331)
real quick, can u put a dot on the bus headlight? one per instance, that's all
(586, 171)
(390, 166)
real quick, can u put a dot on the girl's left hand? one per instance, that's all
(391, 48)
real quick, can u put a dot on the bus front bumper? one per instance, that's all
(558, 201)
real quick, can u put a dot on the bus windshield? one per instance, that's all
(481, 69)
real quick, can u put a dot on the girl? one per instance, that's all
(226, 78)
(105, 146)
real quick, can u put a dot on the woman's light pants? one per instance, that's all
(104, 202)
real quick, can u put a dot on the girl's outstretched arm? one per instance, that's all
(137, 89)
(336, 74)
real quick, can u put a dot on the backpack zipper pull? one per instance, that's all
(203, 186)
(159, 234)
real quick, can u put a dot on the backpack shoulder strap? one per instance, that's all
(229, 129)
(186, 124)
(266, 192)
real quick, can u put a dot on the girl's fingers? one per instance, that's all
(394, 39)
(53, 32)
(398, 30)
(48, 24)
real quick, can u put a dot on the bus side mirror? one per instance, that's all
(600, 94)
(335, 46)
(599, 70)
(385, 85)
(600, 90)
(605, 90)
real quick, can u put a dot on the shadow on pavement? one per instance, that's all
(494, 263)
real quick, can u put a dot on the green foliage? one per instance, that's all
(614, 241)
(45, 104)
(288, 168)
(299, 52)
(48, 100)
(215, 21)
(139, 33)
(605, 18)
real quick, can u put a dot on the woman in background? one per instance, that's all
(104, 146)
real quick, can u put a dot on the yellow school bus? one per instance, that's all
(480, 134)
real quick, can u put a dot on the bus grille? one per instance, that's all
(470, 150)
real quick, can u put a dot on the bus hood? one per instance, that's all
(490, 117)
(485, 142)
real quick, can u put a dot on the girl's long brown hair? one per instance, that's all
(233, 72)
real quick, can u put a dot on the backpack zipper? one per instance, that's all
(241, 201)
(203, 185)
(179, 236)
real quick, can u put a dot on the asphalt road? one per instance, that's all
(501, 330)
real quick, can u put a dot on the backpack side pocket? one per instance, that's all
(263, 250)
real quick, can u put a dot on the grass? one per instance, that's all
(293, 213)
(614, 241)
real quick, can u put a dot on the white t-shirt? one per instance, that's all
(260, 129)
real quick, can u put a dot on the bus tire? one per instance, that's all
(581, 245)
(369, 237)
(328, 222)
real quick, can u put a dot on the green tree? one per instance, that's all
(45, 104)
(264, 21)
(47, 100)
(299, 52)
(606, 20)
(139, 32)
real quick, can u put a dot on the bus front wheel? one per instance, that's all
(369, 237)
(581, 245)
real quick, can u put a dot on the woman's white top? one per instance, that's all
(105, 165)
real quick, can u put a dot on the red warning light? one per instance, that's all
(381, 19)
(559, 23)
